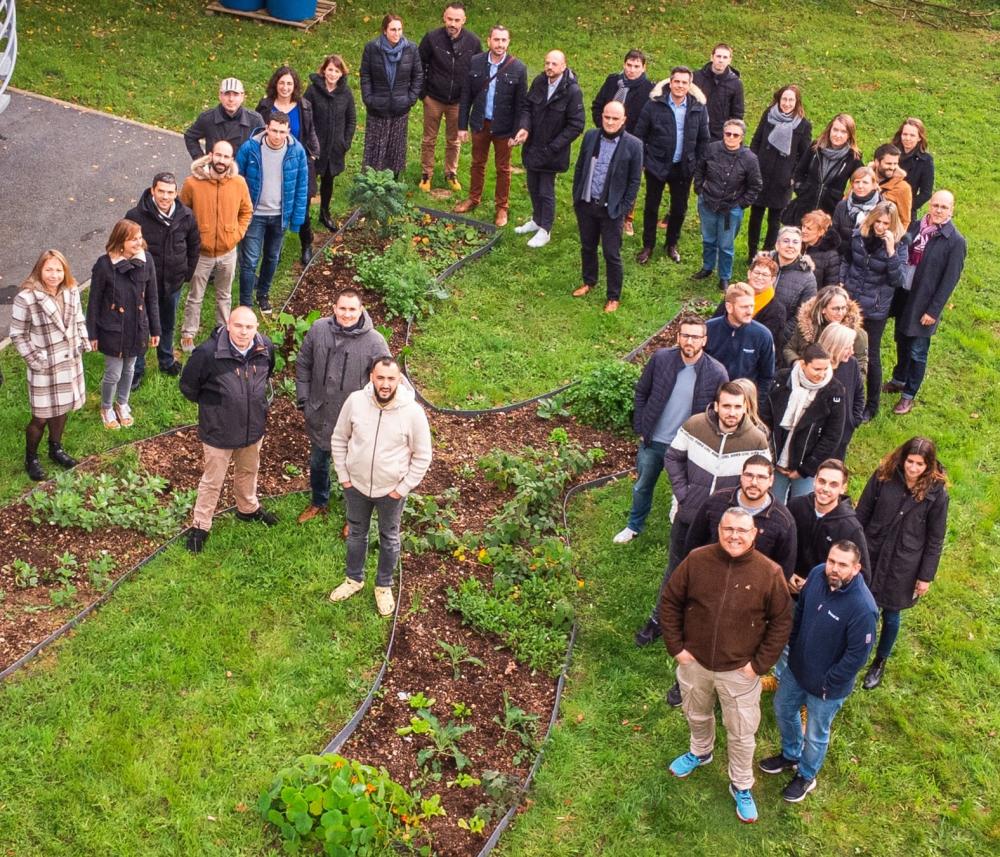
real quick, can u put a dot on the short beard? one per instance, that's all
(386, 400)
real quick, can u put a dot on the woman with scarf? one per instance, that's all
(871, 271)
(821, 247)
(284, 93)
(48, 330)
(904, 510)
(781, 139)
(838, 340)
(805, 411)
(831, 305)
(766, 308)
(854, 207)
(391, 80)
(822, 171)
(123, 316)
(336, 120)
(911, 140)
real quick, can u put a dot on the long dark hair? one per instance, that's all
(272, 84)
(925, 448)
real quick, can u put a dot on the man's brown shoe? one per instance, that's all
(581, 291)
(903, 406)
(611, 306)
(311, 512)
(892, 387)
(344, 533)
(501, 217)
(644, 255)
(465, 206)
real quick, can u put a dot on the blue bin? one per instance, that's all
(292, 10)
(243, 5)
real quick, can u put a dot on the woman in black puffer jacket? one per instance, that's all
(821, 246)
(871, 271)
(824, 169)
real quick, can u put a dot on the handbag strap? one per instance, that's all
(485, 85)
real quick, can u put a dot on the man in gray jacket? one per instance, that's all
(334, 361)
(381, 449)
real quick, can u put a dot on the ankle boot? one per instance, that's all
(61, 457)
(307, 254)
(34, 467)
(326, 220)
(873, 678)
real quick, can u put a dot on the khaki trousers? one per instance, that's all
(246, 461)
(224, 267)
(739, 698)
(433, 111)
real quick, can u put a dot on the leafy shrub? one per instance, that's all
(379, 197)
(427, 522)
(287, 331)
(398, 275)
(605, 397)
(344, 807)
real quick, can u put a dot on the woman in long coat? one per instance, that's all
(824, 169)
(391, 79)
(49, 331)
(904, 510)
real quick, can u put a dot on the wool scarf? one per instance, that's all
(803, 393)
(624, 85)
(783, 127)
(829, 160)
(391, 55)
(927, 230)
(859, 206)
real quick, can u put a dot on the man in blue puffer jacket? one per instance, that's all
(276, 170)
(832, 636)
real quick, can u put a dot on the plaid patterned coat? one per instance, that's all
(51, 344)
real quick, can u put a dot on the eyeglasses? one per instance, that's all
(732, 133)
(757, 477)
(732, 531)
(691, 337)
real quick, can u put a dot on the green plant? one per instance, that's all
(99, 571)
(552, 406)
(418, 700)
(461, 710)
(344, 806)
(379, 197)
(406, 286)
(440, 242)
(444, 738)
(457, 654)
(286, 332)
(463, 781)
(427, 522)
(475, 824)
(517, 722)
(25, 574)
(605, 397)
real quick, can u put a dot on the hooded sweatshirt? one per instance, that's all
(221, 205)
(382, 449)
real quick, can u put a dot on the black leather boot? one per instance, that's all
(326, 220)
(307, 254)
(873, 678)
(61, 457)
(34, 468)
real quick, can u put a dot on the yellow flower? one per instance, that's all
(579, 583)
(483, 554)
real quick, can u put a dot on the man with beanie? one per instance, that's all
(228, 120)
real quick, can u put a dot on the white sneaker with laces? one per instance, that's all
(625, 536)
(540, 240)
(525, 228)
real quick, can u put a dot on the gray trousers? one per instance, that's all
(117, 381)
(359, 517)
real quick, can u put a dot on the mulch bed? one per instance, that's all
(424, 619)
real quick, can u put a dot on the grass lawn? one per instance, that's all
(153, 729)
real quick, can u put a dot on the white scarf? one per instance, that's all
(803, 393)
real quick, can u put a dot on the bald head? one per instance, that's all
(242, 326)
(941, 207)
(555, 64)
(613, 117)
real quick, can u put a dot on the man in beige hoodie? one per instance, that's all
(381, 449)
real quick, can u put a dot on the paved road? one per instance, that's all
(66, 175)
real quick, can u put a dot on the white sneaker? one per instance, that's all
(384, 600)
(525, 228)
(625, 536)
(540, 240)
(347, 589)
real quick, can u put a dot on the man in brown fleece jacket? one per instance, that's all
(725, 615)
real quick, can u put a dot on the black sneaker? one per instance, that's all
(136, 382)
(798, 788)
(174, 369)
(777, 764)
(647, 634)
(196, 539)
(264, 305)
(260, 514)
(674, 696)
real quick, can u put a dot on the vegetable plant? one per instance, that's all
(605, 397)
(457, 655)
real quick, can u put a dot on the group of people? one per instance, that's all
(761, 521)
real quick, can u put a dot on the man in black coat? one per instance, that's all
(174, 242)
(605, 185)
(722, 87)
(822, 519)
(552, 118)
(937, 254)
(229, 120)
(229, 375)
(445, 54)
(673, 127)
(493, 94)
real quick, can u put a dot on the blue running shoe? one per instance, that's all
(684, 765)
(746, 809)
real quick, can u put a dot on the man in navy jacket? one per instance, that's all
(832, 637)
(744, 346)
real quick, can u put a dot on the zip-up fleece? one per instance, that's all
(382, 449)
(727, 611)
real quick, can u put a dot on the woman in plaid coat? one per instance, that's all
(48, 329)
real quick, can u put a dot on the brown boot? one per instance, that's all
(311, 512)
(465, 206)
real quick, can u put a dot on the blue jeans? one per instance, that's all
(810, 751)
(649, 465)
(784, 488)
(891, 620)
(359, 518)
(265, 236)
(168, 319)
(319, 475)
(911, 363)
(718, 241)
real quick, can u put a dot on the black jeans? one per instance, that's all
(874, 329)
(678, 545)
(753, 228)
(542, 190)
(596, 225)
(680, 190)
